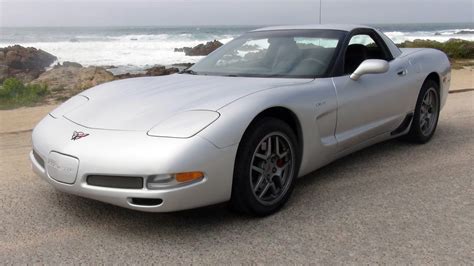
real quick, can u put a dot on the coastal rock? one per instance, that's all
(23, 63)
(161, 71)
(151, 72)
(67, 64)
(73, 78)
(71, 64)
(201, 49)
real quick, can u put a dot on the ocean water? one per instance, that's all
(132, 49)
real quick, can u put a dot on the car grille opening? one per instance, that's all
(38, 159)
(146, 202)
(127, 182)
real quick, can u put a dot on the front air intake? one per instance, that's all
(126, 182)
(146, 202)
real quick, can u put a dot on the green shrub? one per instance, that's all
(14, 93)
(454, 48)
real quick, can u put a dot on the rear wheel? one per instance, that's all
(266, 168)
(426, 115)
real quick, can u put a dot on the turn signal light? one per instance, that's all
(187, 177)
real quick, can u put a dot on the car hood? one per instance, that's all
(140, 103)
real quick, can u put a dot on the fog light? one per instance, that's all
(172, 180)
(160, 178)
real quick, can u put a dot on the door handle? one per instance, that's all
(402, 72)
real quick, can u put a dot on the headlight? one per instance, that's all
(184, 125)
(69, 105)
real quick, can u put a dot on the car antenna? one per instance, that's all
(320, 11)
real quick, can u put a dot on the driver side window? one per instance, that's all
(361, 47)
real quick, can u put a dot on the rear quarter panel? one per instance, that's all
(426, 61)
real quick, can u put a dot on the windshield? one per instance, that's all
(289, 54)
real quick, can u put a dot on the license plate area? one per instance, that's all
(62, 168)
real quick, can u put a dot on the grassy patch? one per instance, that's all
(454, 48)
(13, 93)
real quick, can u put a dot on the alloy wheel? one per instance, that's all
(272, 168)
(429, 111)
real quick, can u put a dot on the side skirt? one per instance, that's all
(404, 126)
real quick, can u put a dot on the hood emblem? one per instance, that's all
(78, 135)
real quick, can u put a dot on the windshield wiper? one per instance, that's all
(188, 71)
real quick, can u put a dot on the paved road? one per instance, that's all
(392, 203)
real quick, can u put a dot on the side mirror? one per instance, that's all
(370, 66)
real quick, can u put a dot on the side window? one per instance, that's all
(363, 39)
(361, 47)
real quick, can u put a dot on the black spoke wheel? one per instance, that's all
(266, 168)
(426, 115)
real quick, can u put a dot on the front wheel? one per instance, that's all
(266, 168)
(426, 115)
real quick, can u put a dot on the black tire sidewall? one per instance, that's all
(415, 133)
(242, 196)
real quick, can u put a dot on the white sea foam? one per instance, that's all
(129, 52)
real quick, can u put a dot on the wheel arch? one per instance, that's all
(434, 77)
(287, 116)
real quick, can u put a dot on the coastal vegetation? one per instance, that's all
(454, 48)
(460, 52)
(13, 93)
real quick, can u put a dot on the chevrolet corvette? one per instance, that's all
(244, 123)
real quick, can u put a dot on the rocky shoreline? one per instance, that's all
(33, 66)
(25, 64)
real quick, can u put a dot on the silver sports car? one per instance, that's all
(243, 123)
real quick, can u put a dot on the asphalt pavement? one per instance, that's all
(394, 203)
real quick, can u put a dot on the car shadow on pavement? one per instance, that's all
(201, 221)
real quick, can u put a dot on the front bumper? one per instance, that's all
(132, 153)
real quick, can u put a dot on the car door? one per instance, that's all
(374, 104)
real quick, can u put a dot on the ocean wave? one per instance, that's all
(124, 50)
(440, 36)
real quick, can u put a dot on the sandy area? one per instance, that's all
(462, 79)
(22, 119)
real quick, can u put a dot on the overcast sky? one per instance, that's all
(228, 12)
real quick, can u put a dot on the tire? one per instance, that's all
(264, 178)
(425, 119)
